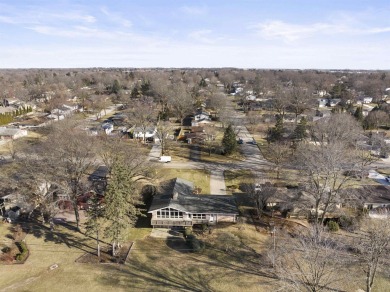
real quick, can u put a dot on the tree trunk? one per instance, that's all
(98, 244)
(76, 214)
(368, 280)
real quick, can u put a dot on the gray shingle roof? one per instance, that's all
(186, 201)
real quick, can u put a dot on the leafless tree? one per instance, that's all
(164, 132)
(278, 153)
(309, 262)
(299, 100)
(180, 101)
(217, 102)
(260, 193)
(72, 153)
(210, 134)
(142, 114)
(374, 248)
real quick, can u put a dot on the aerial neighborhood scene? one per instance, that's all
(195, 146)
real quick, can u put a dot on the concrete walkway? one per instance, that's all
(217, 183)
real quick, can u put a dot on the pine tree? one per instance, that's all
(122, 202)
(229, 141)
(95, 219)
(300, 130)
(275, 133)
(359, 114)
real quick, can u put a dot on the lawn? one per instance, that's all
(238, 177)
(201, 178)
(61, 247)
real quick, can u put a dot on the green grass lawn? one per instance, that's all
(200, 178)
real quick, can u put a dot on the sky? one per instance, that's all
(289, 34)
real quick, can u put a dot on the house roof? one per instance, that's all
(179, 195)
(371, 194)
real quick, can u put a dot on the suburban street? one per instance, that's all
(253, 160)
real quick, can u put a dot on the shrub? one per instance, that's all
(350, 223)
(187, 231)
(23, 251)
(194, 244)
(333, 226)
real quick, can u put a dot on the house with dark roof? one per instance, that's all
(179, 206)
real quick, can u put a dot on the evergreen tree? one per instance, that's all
(115, 87)
(122, 202)
(300, 130)
(94, 222)
(359, 114)
(229, 141)
(275, 133)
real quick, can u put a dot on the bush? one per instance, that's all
(333, 226)
(194, 244)
(6, 249)
(187, 231)
(23, 251)
(350, 223)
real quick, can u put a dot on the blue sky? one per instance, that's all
(323, 34)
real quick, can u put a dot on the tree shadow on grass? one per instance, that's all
(156, 268)
(66, 235)
(178, 244)
(139, 275)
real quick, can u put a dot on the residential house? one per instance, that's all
(322, 102)
(148, 133)
(179, 206)
(108, 128)
(196, 135)
(201, 117)
(373, 198)
(364, 100)
(62, 112)
(11, 133)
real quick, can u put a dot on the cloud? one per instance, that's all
(290, 32)
(39, 17)
(205, 36)
(194, 10)
(117, 18)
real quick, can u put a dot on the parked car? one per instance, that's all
(388, 178)
(254, 141)
(240, 141)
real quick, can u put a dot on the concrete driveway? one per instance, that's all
(380, 178)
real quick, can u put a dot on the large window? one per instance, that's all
(198, 216)
(169, 213)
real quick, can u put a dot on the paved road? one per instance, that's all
(253, 161)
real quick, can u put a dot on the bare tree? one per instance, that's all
(309, 262)
(142, 115)
(164, 131)
(180, 101)
(373, 248)
(278, 153)
(217, 102)
(260, 193)
(72, 154)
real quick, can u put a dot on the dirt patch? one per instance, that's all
(106, 256)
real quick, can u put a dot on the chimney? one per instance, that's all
(175, 195)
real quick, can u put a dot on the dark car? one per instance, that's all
(240, 141)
